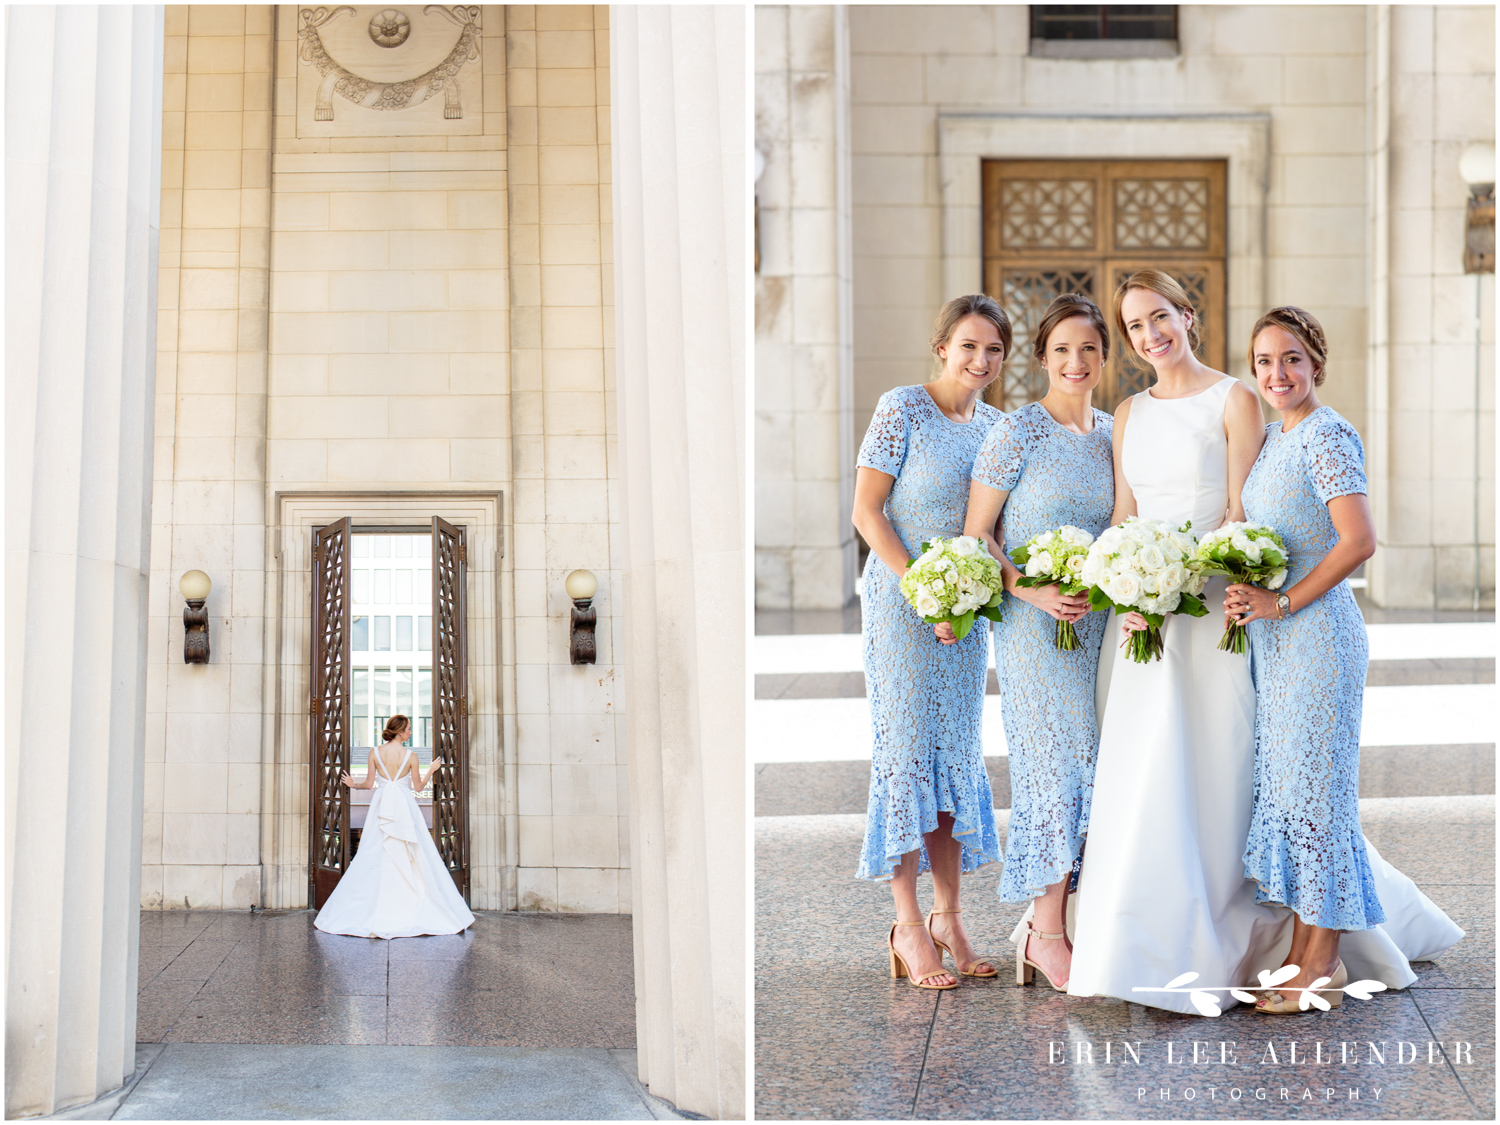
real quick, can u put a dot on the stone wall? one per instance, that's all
(384, 307)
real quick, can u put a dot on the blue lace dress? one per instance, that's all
(1306, 850)
(926, 698)
(1054, 477)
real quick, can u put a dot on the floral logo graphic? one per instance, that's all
(1208, 1005)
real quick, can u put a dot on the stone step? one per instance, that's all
(830, 788)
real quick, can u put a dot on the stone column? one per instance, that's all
(805, 555)
(82, 166)
(679, 144)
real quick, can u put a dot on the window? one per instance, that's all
(1084, 31)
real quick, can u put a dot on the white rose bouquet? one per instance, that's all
(1144, 565)
(1244, 552)
(954, 580)
(1056, 557)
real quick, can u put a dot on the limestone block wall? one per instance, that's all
(1430, 440)
(201, 839)
(804, 543)
(361, 308)
(573, 830)
(1303, 65)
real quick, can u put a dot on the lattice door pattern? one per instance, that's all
(450, 704)
(1082, 226)
(330, 709)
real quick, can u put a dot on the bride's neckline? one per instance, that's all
(1185, 398)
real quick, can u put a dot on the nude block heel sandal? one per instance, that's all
(899, 969)
(942, 949)
(1025, 968)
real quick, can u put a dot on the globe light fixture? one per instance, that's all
(581, 586)
(195, 586)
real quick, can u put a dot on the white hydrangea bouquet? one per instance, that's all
(1245, 552)
(1145, 566)
(1056, 557)
(954, 580)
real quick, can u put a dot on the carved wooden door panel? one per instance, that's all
(1082, 226)
(329, 854)
(450, 704)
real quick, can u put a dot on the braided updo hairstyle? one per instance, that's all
(1305, 327)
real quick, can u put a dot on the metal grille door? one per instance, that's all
(330, 709)
(1083, 226)
(450, 705)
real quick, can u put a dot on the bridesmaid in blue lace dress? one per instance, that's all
(1309, 654)
(1048, 465)
(930, 803)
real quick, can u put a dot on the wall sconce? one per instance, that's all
(581, 586)
(195, 586)
(1477, 167)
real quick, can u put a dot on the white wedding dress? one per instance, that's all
(397, 884)
(1163, 889)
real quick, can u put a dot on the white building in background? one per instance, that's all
(1302, 154)
(372, 281)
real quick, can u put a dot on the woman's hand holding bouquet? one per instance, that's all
(954, 580)
(1056, 558)
(1145, 566)
(1244, 552)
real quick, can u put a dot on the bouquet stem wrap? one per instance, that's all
(954, 580)
(1243, 552)
(1144, 566)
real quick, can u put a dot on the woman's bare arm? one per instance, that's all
(1124, 498)
(1245, 429)
(871, 488)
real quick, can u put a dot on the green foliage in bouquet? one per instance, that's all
(1243, 552)
(1056, 558)
(1145, 567)
(954, 580)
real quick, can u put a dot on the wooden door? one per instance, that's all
(450, 704)
(330, 709)
(1082, 226)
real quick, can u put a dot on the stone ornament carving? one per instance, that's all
(390, 28)
(395, 95)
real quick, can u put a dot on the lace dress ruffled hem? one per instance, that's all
(972, 806)
(1335, 891)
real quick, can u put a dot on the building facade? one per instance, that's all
(1268, 155)
(364, 313)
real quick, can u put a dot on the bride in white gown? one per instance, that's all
(1163, 889)
(397, 884)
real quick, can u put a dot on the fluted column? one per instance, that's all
(82, 171)
(678, 134)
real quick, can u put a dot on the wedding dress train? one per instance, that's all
(397, 884)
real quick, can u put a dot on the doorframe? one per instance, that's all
(964, 140)
(490, 682)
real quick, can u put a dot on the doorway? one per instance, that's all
(1083, 226)
(388, 636)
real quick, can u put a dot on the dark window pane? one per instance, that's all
(382, 634)
(403, 634)
(1104, 21)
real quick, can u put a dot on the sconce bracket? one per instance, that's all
(1479, 230)
(195, 637)
(581, 645)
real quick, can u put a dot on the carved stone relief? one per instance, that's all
(389, 71)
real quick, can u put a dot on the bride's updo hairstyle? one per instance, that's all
(1301, 324)
(1165, 285)
(1061, 309)
(975, 304)
(393, 728)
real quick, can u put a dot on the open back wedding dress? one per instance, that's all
(1163, 888)
(397, 884)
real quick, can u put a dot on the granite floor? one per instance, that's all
(512, 981)
(837, 1038)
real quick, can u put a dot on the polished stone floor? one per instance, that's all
(837, 1038)
(511, 980)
